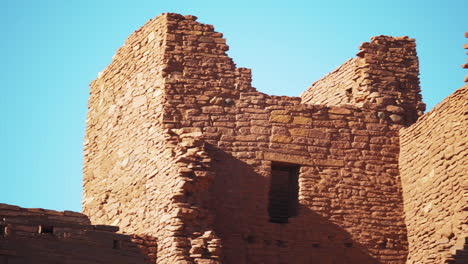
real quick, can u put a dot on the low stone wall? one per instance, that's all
(47, 236)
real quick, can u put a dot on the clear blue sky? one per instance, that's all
(53, 49)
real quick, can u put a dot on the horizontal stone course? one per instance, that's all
(433, 171)
(201, 150)
(34, 235)
(180, 150)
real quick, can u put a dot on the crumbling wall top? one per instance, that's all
(383, 77)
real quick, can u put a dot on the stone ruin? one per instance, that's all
(194, 165)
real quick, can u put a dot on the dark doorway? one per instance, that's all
(283, 196)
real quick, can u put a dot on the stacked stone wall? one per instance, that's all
(335, 88)
(348, 184)
(135, 168)
(433, 169)
(129, 168)
(46, 236)
(383, 77)
(180, 146)
(352, 154)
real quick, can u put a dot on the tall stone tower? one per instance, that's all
(181, 147)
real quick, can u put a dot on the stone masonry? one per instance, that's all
(196, 166)
(49, 237)
(433, 168)
(180, 146)
(384, 76)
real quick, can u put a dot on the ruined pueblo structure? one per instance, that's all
(194, 165)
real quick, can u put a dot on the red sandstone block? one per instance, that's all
(190, 17)
(339, 111)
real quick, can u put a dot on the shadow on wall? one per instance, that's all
(461, 255)
(49, 237)
(240, 203)
(52, 250)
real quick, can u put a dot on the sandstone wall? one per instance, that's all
(134, 167)
(130, 175)
(46, 236)
(433, 169)
(349, 184)
(349, 193)
(180, 146)
(383, 77)
(335, 88)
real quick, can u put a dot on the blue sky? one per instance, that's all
(53, 49)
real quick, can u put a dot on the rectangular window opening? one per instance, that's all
(44, 229)
(117, 244)
(284, 189)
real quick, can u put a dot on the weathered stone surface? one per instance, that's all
(383, 66)
(204, 195)
(396, 118)
(37, 235)
(395, 109)
(281, 118)
(434, 177)
(181, 150)
(301, 120)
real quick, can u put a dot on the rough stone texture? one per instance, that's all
(136, 171)
(335, 88)
(383, 77)
(180, 151)
(180, 146)
(44, 236)
(433, 166)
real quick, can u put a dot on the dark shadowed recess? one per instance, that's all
(248, 234)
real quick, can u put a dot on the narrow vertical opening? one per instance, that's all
(3, 230)
(284, 189)
(349, 94)
(117, 244)
(46, 229)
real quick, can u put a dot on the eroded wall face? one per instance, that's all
(350, 206)
(130, 170)
(434, 176)
(137, 167)
(45, 236)
(180, 146)
(383, 77)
